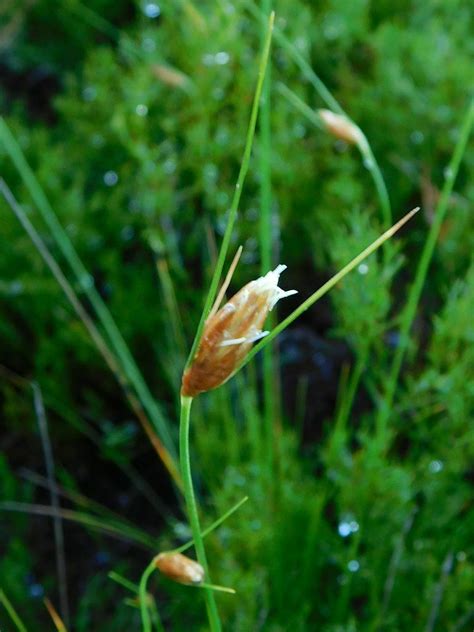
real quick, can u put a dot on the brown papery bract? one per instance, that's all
(180, 568)
(340, 127)
(230, 333)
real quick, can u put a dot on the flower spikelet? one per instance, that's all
(230, 333)
(180, 568)
(341, 127)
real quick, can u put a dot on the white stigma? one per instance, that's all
(269, 284)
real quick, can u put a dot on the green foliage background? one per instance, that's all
(135, 127)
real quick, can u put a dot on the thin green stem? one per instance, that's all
(113, 528)
(332, 103)
(237, 193)
(143, 596)
(299, 60)
(363, 145)
(265, 162)
(414, 294)
(324, 289)
(372, 166)
(141, 589)
(213, 526)
(58, 530)
(171, 303)
(123, 581)
(300, 105)
(192, 510)
(92, 18)
(12, 612)
(155, 615)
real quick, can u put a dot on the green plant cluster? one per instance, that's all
(133, 118)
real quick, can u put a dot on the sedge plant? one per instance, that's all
(238, 348)
(224, 343)
(224, 339)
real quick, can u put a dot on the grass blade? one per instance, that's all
(213, 526)
(12, 612)
(58, 622)
(324, 289)
(120, 530)
(55, 504)
(94, 333)
(84, 280)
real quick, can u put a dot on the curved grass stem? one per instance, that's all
(373, 168)
(363, 145)
(144, 598)
(334, 105)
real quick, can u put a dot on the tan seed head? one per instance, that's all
(230, 333)
(340, 127)
(180, 568)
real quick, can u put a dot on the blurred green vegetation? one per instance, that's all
(133, 118)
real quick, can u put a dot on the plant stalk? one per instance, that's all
(237, 192)
(12, 612)
(192, 510)
(324, 289)
(143, 596)
(409, 312)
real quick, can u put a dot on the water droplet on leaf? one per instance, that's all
(110, 178)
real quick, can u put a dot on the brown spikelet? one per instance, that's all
(180, 568)
(230, 333)
(340, 127)
(170, 76)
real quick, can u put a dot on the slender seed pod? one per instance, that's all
(340, 127)
(230, 333)
(180, 568)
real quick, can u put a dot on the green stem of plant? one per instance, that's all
(12, 612)
(109, 527)
(192, 509)
(324, 289)
(414, 294)
(213, 526)
(265, 162)
(238, 191)
(371, 164)
(363, 145)
(299, 60)
(143, 596)
(123, 581)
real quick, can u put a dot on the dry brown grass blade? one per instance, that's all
(53, 613)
